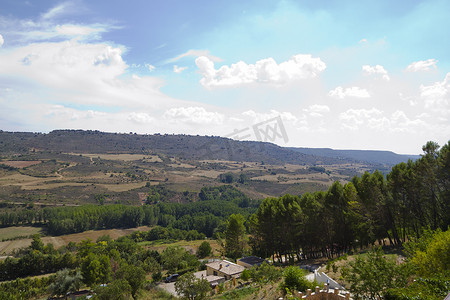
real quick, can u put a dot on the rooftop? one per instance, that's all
(226, 267)
(252, 260)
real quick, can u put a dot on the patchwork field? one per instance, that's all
(18, 231)
(75, 179)
(6, 247)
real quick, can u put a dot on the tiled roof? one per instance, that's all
(209, 278)
(252, 260)
(227, 267)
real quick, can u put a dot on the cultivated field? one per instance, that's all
(18, 231)
(75, 179)
(7, 247)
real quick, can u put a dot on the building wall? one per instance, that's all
(245, 265)
(211, 271)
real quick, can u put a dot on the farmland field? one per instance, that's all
(7, 247)
(18, 231)
(76, 179)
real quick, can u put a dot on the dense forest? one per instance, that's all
(412, 197)
(205, 216)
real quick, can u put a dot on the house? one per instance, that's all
(212, 280)
(251, 261)
(224, 268)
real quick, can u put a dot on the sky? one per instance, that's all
(332, 74)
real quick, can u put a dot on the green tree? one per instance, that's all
(96, 270)
(245, 275)
(175, 257)
(264, 273)
(65, 281)
(204, 249)
(117, 290)
(234, 236)
(192, 288)
(433, 256)
(371, 275)
(135, 276)
(36, 243)
(294, 279)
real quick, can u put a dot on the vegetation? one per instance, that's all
(370, 208)
(428, 258)
(295, 280)
(407, 208)
(234, 235)
(371, 275)
(65, 281)
(204, 250)
(192, 288)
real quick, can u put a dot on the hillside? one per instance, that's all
(186, 147)
(72, 167)
(371, 156)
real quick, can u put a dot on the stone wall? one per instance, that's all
(325, 294)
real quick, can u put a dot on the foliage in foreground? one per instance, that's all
(192, 288)
(425, 274)
(429, 257)
(371, 275)
(295, 280)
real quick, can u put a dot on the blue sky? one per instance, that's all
(340, 74)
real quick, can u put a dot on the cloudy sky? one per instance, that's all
(340, 74)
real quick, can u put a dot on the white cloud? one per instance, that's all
(354, 91)
(81, 73)
(316, 110)
(300, 66)
(151, 67)
(195, 53)
(77, 30)
(178, 69)
(363, 41)
(353, 118)
(1, 41)
(260, 117)
(378, 69)
(422, 65)
(46, 28)
(319, 108)
(71, 114)
(437, 95)
(374, 119)
(198, 115)
(56, 11)
(140, 117)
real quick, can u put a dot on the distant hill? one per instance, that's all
(187, 147)
(371, 156)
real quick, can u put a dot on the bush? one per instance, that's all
(294, 279)
(204, 250)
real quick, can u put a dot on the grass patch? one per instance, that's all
(16, 232)
(191, 246)
(241, 293)
(334, 267)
